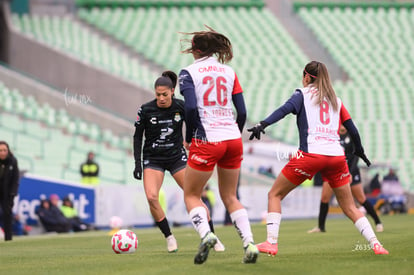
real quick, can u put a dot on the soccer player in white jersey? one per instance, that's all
(319, 115)
(211, 89)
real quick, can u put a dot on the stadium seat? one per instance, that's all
(68, 35)
(52, 143)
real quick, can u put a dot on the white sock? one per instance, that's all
(363, 225)
(242, 224)
(272, 225)
(198, 217)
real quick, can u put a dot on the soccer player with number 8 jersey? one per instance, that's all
(319, 115)
(211, 89)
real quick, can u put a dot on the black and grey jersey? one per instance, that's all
(349, 149)
(162, 128)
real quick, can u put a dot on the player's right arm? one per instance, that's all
(292, 105)
(139, 132)
(187, 89)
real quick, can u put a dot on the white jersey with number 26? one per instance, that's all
(214, 85)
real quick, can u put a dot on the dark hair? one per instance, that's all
(2, 142)
(319, 76)
(168, 79)
(210, 42)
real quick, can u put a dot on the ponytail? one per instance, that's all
(171, 75)
(168, 79)
(320, 79)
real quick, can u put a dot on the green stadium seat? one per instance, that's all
(68, 35)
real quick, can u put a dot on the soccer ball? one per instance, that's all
(124, 241)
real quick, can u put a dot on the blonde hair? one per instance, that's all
(320, 79)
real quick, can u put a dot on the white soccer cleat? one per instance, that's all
(219, 246)
(171, 244)
(379, 228)
(316, 230)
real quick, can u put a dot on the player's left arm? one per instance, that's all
(239, 104)
(346, 120)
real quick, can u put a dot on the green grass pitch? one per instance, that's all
(341, 250)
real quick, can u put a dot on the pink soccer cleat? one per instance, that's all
(268, 248)
(378, 249)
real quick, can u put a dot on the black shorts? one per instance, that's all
(356, 176)
(173, 165)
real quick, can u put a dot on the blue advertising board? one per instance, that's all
(33, 189)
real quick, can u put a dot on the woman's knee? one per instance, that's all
(153, 200)
(352, 212)
(275, 194)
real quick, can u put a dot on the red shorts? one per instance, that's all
(334, 169)
(226, 154)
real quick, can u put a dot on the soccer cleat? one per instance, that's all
(268, 248)
(206, 244)
(250, 254)
(316, 230)
(171, 244)
(219, 246)
(379, 228)
(378, 249)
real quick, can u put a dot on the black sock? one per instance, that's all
(210, 223)
(370, 210)
(323, 212)
(164, 227)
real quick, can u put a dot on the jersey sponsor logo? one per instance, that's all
(198, 159)
(181, 78)
(300, 171)
(153, 120)
(344, 175)
(166, 132)
(327, 139)
(211, 69)
(165, 121)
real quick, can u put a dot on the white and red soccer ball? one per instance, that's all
(124, 241)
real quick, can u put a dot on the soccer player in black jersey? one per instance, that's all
(356, 186)
(160, 121)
